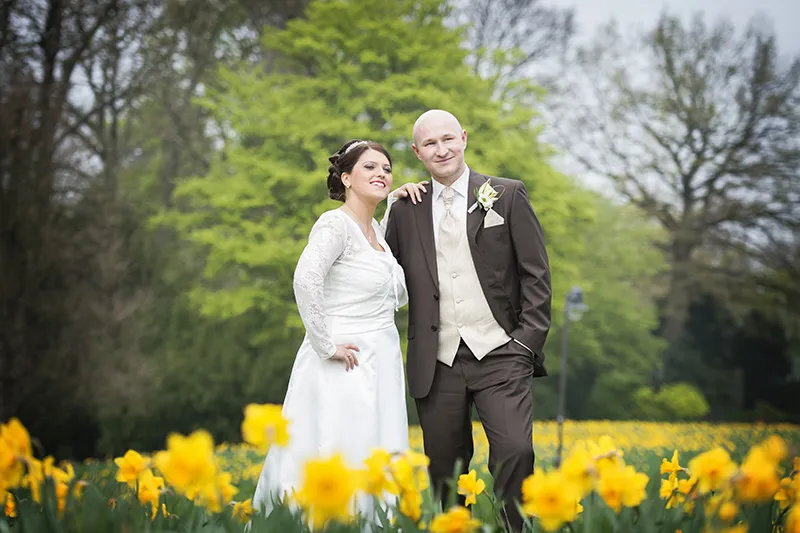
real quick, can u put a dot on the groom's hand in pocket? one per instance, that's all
(516, 348)
(347, 354)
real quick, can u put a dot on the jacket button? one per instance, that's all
(434, 328)
(436, 297)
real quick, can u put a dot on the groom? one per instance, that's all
(479, 309)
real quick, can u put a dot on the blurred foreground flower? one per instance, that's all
(456, 520)
(605, 453)
(411, 504)
(713, 470)
(15, 449)
(376, 475)
(10, 506)
(214, 496)
(793, 520)
(551, 498)
(758, 480)
(327, 491)
(264, 425)
(410, 471)
(579, 469)
(188, 462)
(622, 485)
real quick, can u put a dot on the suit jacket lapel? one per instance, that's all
(424, 216)
(474, 223)
(474, 219)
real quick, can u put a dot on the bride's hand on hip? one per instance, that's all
(347, 354)
(412, 190)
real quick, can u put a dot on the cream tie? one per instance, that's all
(449, 233)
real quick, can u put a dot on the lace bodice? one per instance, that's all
(341, 279)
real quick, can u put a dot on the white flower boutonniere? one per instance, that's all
(486, 195)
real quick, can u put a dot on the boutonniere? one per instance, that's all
(485, 196)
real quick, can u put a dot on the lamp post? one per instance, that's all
(573, 308)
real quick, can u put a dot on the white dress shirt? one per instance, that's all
(459, 208)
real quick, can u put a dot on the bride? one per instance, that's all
(346, 392)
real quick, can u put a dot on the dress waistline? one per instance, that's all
(352, 326)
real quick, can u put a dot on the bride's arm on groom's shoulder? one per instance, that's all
(389, 225)
(412, 191)
(326, 242)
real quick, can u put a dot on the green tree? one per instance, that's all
(611, 349)
(328, 83)
(167, 367)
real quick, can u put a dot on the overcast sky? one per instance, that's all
(784, 14)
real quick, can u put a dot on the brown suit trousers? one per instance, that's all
(500, 388)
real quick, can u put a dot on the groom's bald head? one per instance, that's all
(434, 118)
(439, 142)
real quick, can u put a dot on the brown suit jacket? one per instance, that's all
(511, 262)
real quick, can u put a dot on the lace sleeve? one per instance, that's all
(326, 242)
(389, 201)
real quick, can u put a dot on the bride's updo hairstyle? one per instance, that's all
(343, 161)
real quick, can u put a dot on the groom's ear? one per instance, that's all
(416, 151)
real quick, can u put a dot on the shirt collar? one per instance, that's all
(460, 186)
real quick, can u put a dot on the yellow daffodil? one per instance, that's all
(15, 450)
(671, 467)
(150, 488)
(327, 490)
(758, 479)
(550, 498)
(130, 466)
(216, 495)
(410, 471)
(243, 511)
(713, 470)
(456, 520)
(411, 504)
(471, 486)
(728, 511)
(793, 520)
(605, 453)
(376, 477)
(264, 425)
(622, 486)
(579, 469)
(788, 491)
(10, 505)
(188, 463)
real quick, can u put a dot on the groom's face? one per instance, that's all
(440, 143)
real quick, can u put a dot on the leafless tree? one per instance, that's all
(700, 127)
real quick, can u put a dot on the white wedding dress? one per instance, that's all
(347, 292)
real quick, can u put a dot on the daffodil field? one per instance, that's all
(614, 477)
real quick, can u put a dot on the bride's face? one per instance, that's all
(371, 177)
